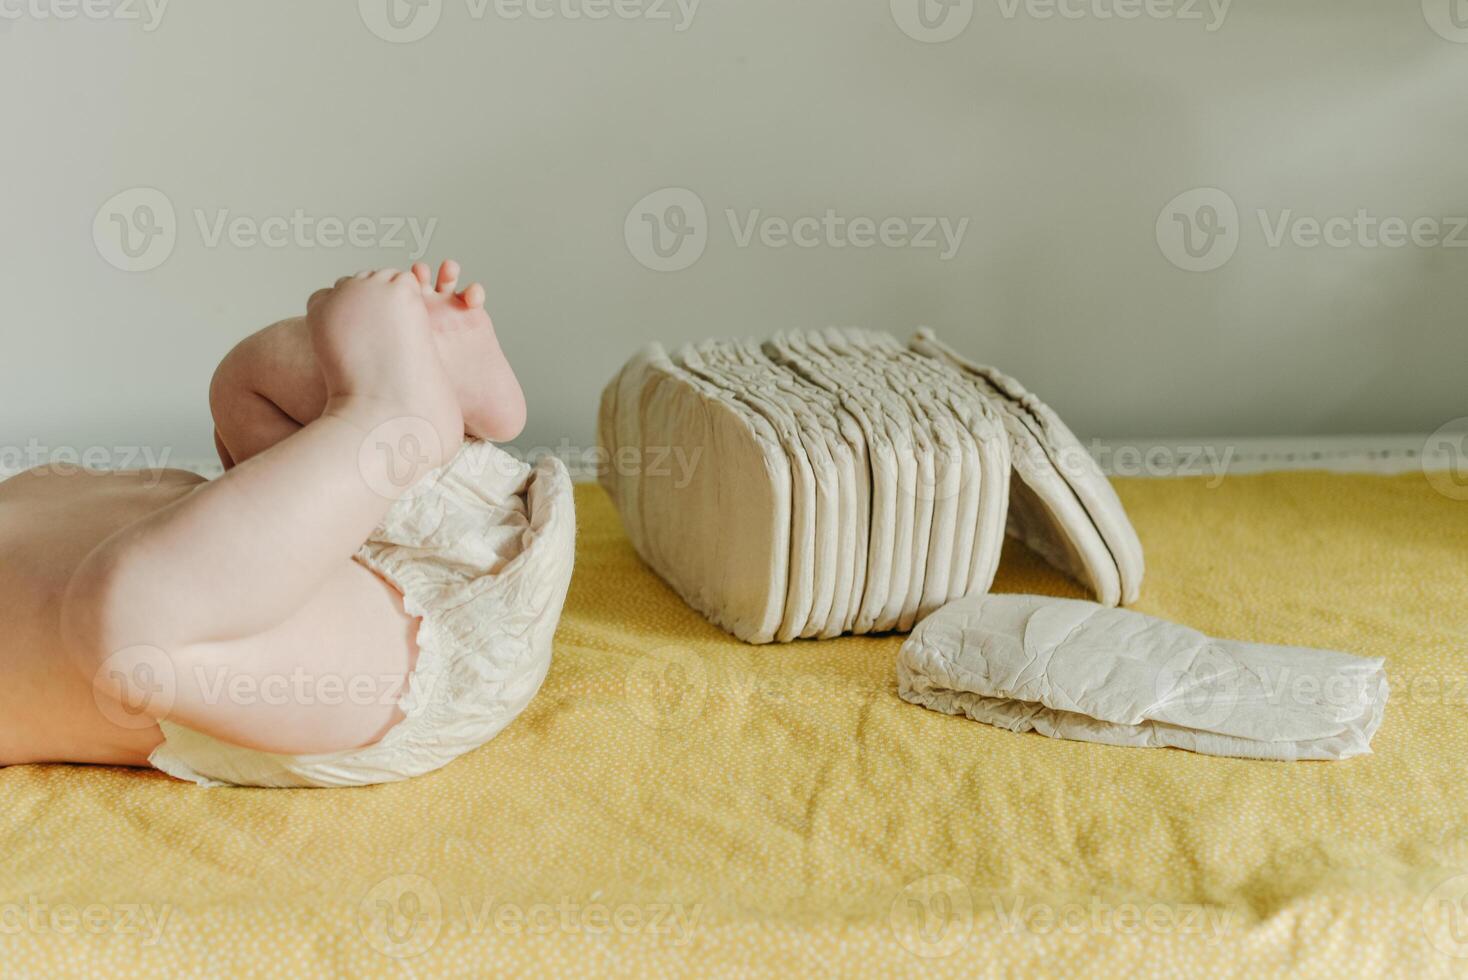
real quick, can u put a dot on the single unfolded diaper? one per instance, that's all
(836, 481)
(1078, 670)
(482, 551)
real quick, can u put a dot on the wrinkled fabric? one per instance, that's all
(482, 552)
(759, 811)
(1073, 669)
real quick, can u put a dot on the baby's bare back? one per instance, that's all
(50, 520)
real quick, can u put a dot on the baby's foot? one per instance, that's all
(379, 359)
(489, 394)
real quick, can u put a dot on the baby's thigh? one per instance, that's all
(326, 680)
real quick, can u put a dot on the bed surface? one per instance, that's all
(675, 800)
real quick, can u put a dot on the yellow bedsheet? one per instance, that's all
(674, 800)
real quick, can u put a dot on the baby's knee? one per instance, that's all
(232, 383)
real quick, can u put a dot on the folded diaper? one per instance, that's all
(1063, 506)
(717, 527)
(482, 551)
(836, 481)
(896, 455)
(1078, 670)
(822, 508)
(751, 392)
(982, 499)
(885, 445)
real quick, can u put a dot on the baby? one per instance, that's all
(321, 423)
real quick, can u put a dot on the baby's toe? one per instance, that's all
(473, 297)
(448, 276)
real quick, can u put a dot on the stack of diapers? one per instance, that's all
(1078, 670)
(835, 481)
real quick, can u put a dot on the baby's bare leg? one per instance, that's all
(252, 572)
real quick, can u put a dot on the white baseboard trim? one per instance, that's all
(1217, 457)
(1210, 457)
(1384, 455)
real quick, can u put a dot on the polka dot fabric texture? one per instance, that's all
(676, 802)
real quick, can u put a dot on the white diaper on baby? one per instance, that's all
(482, 551)
(1073, 669)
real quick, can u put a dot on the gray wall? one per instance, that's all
(530, 141)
